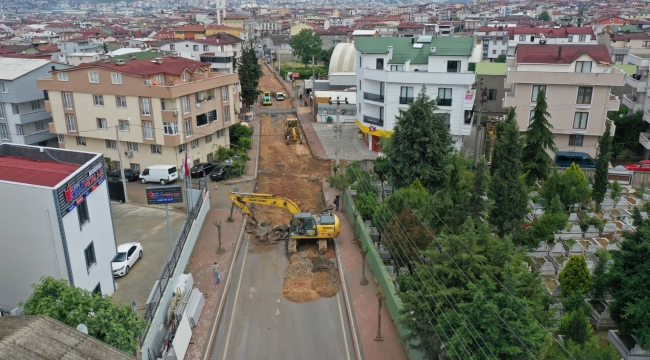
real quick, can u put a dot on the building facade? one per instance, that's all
(222, 55)
(56, 219)
(392, 71)
(23, 118)
(161, 108)
(555, 35)
(577, 80)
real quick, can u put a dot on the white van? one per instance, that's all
(163, 174)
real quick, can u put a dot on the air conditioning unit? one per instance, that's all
(175, 112)
(147, 82)
(128, 153)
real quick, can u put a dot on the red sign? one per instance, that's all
(295, 75)
(372, 128)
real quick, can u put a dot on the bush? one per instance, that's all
(586, 221)
(367, 205)
(237, 169)
(245, 143)
(223, 153)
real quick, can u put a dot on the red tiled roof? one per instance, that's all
(189, 28)
(146, 67)
(548, 54)
(34, 172)
(561, 32)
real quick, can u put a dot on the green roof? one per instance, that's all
(623, 28)
(629, 69)
(404, 51)
(491, 68)
(140, 55)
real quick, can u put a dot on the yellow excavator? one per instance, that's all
(303, 226)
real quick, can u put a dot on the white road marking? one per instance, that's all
(345, 338)
(277, 311)
(252, 290)
(232, 317)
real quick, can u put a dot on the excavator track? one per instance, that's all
(322, 246)
(292, 246)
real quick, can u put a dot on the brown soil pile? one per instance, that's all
(310, 276)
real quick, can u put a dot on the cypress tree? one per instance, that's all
(539, 139)
(602, 166)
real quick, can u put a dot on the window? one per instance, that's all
(36, 104)
(532, 115)
(98, 289)
(195, 48)
(503, 52)
(101, 123)
(454, 66)
(580, 120)
(360, 61)
(582, 38)
(195, 143)
(98, 100)
(379, 64)
(3, 87)
(184, 75)
(186, 104)
(584, 95)
(206, 48)
(406, 95)
(15, 109)
(226, 114)
(219, 133)
(67, 100)
(494, 52)
(156, 149)
(492, 95)
(39, 125)
(93, 77)
(583, 66)
(212, 116)
(62, 76)
(60, 138)
(19, 130)
(159, 78)
(117, 78)
(188, 128)
(182, 148)
(619, 57)
(148, 130)
(494, 42)
(170, 128)
(570, 38)
(72, 125)
(146, 106)
(576, 140)
(172, 47)
(110, 144)
(124, 125)
(504, 42)
(208, 138)
(81, 141)
(3, 115)
(444, 97)
(536, 89)
(135, 168)
(224, 94)
(132, 146)
(397, 68)
(4, 132)
(522, 37)
(89, 252)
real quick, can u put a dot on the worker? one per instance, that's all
(217, 273)
(337, 200)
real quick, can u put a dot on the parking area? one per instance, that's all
(148, 226)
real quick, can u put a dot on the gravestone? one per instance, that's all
(573, 217)
(593, 248)
(644, 215)
(610, 227)
(575, 229)
(547, 269)
(645, 197)
(622, 203)
(542, 247)
(590, 266)
(592, 231)
(576, 249)
(538, 213)
(607, 216)
(608, 203)
(612, 247)
(557, 250)
(646, 190)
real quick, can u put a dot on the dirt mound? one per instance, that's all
(310, 276)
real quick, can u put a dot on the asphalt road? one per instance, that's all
(258, 323)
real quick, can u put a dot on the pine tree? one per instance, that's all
(575, 276)
(602, 166)
(539, 139)
(250, 72)
(421, 146)
(507, 189)
(475, 203)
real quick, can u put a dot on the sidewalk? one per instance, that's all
(364, 299)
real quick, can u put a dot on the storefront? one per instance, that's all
(371, 135)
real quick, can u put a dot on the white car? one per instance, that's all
(127, 255)
(280, 96)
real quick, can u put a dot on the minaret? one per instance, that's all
(220, 6)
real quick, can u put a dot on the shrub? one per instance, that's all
(245, 143)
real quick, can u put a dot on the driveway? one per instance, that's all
(148, 226)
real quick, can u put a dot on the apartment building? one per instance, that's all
(637, 100)
(161, 107)
(392, 71)
(23, 118)
(621, 44)
(223, 55)
(577, 80)
(493, 41)
(553, 35)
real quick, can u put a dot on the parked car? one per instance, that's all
(566, 158)
(163, 174)
(201, 169)
(127, 255)
(220, 172)
(129, 175)
(279, 96)
(643, 165)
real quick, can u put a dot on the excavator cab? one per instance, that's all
(303, 224)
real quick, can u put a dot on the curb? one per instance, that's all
(257, 160)
(217, 315)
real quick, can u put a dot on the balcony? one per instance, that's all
(637, 82)
(34, 116)
(419, 77)
(373, 97)
(646, 116)
(406, 100)
(613, 103)
(640, 60)
(170, 115)
(620, 51)
(644, 139)
(615, 77)
(37, 137)
(373, 120)
(632, 102)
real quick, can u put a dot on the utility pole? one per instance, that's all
(478, 85)
(277, 52)
(313, 67)
(337, 127)
(119, 153)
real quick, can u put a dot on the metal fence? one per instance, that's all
(172, 260)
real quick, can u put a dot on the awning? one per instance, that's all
(376, 132)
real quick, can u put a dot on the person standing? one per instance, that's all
(337, 201)
(216, 271)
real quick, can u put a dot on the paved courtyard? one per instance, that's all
(350, 146)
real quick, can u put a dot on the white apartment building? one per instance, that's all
(392, 71)
(493, 41)
(223, 55)
(552, 36)
(637, 100)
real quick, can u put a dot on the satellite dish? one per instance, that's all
(436, 28)
(83, 328)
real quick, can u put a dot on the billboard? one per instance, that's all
(158, 195)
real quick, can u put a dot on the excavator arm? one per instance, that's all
(241, 200)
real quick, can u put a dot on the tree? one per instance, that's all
(544, 16)
(576, 188)
(250, 72)
(381, 167)
(326, 56)
(552, 220)
(112, 323)
(421, 145)
(475, 205)
(507, 189)
(538, 140)
(575, 326)
(626, 137)
(575, 276)
(407, 238)
(602, 166)
(411, 198)
(239, 131)
(628, 281)
(599, 277)
(590, 350)
(501, 58)
(305, 44)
